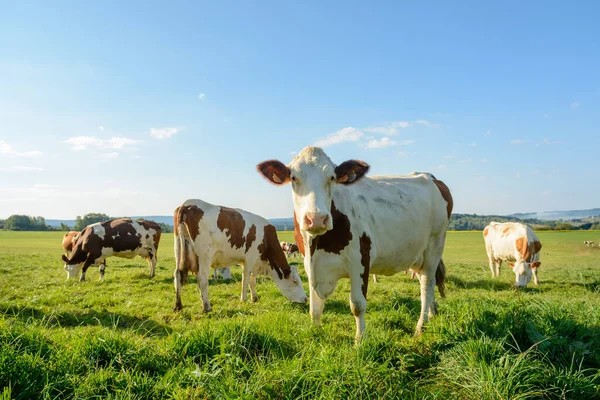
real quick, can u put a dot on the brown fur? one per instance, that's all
(271, 251)
(67, 242)
(250, 237)
(537, 246)
(190, 216)
(505, 232)
(445, 192)
(350, 171)
(232, 224)
(365, 260)
(336, 240)
(274, 168)
(486, 231)
(298, 236)
(523, 248)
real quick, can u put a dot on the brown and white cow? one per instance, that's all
(348, 225)
(516, 242)
(292, 249)
(123, 237)
(589, 243)
(209, 236)
(68, 241)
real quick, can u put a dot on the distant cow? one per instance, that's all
(224, 273)
(349, 225)
(292, 248)
(284, 246)
(516, 242)
(121, 237)
(68, 241)
(208, 236)
(588, 243)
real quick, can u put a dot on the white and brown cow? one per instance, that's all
(209, 236)
(69, 240)
(588, 243)
(348, 225)
(292, 249)
(123, 237)
(516, 242)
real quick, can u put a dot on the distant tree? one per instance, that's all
(87, 219)
(25, 223)
(165, 228)
(1, 224)
(64, 227)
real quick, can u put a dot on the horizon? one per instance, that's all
(129, 110)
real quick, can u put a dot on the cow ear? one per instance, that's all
(351, 171)
(512, 265)
(535, 264)
(65, 259)
(275, 171)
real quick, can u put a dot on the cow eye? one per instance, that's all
(294, 179)
(332, 178)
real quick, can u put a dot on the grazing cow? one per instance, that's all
(348, 225)
(121, 237)
(284, 246)
(69, 240)
(516, 242)
(292, 248)
(208, 236)
(588, 243)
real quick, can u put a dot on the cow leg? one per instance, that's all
(374, 278)
(316, 307)
(202, 279)
(178, 277)
(102, 267)
(427, 282)
(245, 281)
(152, 262)
(498, 265)
(253, 294)
(535, 277)
(492, 266)
(88, 261)
(358, 304)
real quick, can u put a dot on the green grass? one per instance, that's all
(119, 338)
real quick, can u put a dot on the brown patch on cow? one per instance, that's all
(445, 192)
(67, 242)
(232, 224)
(486, 231)
(365, 260)
(523, 248)
(505, 232)
(250, 237)
(120, 235)
(298, 236)
(190, 216)
(270, 251)
(537, 246)
(292, 248)
(336, 240)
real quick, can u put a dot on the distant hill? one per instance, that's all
(165, 219)
(558, 215)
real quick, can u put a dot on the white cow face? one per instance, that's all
(313, 176)
(523, 272)
(73, 270)
(290, 287)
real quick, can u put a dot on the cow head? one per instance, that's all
(290, 286)
(523, 272)
(313, 176)
(72, 269)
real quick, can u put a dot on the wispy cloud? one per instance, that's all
(575, 105)
(406, 142)
(518, 176)
(449, 157)
(378, 144)
(79, 143)
(292, 153)
(548, 141)
(465, 161)
(402, 153)
(480, 178)
(164, 133)
(483, 161)
(473, 144)
(388, 129)
(201, 96)
(7, 149)
(518, 141)
(422, 122)
(110, 155)
(442, 166)
(101, 128)
(21, 168)
(348, 134)
(487, 133)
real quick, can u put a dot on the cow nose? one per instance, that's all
(315, 222)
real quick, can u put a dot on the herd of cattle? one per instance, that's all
(346, 225)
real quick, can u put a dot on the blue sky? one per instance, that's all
(129, 108)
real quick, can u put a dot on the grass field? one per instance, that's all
(119, 338)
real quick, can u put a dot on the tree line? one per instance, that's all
(28, 223)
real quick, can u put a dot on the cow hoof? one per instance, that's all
(254, 299)
(207, 308)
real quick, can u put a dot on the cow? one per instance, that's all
(513, 241)
(284, 246)
(69, 240)
(209, 236)
(292, 249)
(588, 243)
(123, 237)
(350, 225)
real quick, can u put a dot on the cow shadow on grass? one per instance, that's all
(144, 326)
(488, 284)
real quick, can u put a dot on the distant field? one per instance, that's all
(120, 339)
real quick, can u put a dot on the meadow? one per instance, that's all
(119, 338)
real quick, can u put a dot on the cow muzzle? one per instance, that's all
(316, 223)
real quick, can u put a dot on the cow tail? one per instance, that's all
(440, 278)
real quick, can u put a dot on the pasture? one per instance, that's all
(119, 338)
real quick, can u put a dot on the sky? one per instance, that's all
(130, 108)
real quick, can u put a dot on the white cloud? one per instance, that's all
(465, 161)
(449, 157)
(488, 133)
(7, 149)
(406, 142)
(79, 143)
(548, 141)
(518, 141)
(110, 155)
(22, 168)
(101, 128)
(402, 153)
(379, 144)
(348, 134)
(292, 153)
(201, 96)
(575, 105)
(163, 133)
